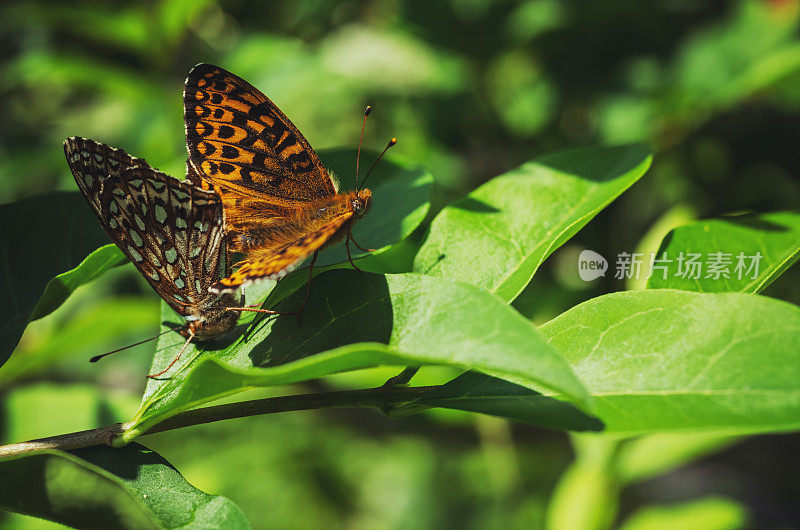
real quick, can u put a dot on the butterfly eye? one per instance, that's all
(358, 204)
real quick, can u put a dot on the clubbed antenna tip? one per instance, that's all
(390, 144)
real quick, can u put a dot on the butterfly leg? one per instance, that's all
(308, 289)
(256, 308)
(350, 236)
(170, 365)
(349, 257)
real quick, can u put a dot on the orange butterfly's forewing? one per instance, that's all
(280, 203)
(240, 141)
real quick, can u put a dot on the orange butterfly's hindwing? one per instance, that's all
(283, 260)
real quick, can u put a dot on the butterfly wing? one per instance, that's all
(92, 162)
(283, 260)
(240, 141)
(172, 232)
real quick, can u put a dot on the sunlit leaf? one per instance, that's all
(701, 514)
(672, 361)
(665, 360)
(499, 235)
(752, 251)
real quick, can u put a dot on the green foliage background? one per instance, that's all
(472, 89)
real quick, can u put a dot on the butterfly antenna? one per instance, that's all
(98, 357)
(392, 142)
(361, 139)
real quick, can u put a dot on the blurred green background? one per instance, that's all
(471, 88)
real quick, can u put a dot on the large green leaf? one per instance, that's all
(358, 321)
(103, 487)
(45, 242)
(499, 235)
(775, 237)
(85, 334)
(665, 360)
(649, 456)
(770, 241)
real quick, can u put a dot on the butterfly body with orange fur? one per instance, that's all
(280, 203)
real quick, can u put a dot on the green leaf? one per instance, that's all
(672, 361)
(44, 242)
(587, 494)
(653, 455)
(662, 360)
(480, 393)
(358, 321)
(59, 288)
(102, 487)
(775, 237)
(86, 332)
(703, 514)
(499, 235)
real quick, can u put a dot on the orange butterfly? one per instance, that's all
(280, 203)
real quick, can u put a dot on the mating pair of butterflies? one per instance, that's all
(254, 186)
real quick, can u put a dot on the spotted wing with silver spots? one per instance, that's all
(92, 162)
(171, 230)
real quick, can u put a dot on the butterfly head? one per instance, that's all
(361, 202)
(210, 318)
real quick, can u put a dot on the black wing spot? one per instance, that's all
(208, 148)
(229, 152)
(206, 129)
(239, 119)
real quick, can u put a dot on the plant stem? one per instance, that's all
(381, 398)
(403, 377)
(373, 397)
(65, 442)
